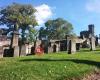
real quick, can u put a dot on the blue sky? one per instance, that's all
(78, 12)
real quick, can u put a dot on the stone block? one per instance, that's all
(1, 52)
(92, 43)
(24, 50)
(16, 51)
(71, 47)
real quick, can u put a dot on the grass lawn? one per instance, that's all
(56, 66)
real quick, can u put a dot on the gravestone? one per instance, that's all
(24, 50)
(57, 47)
(71, 47)
(15, 37)
(14, 43)
(16, 51)
(50, 49)
(92, 43)
(1, 52)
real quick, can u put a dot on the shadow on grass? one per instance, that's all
(84, 51)
(97, 51)
(88, 62)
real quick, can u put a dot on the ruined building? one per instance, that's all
(87, 33)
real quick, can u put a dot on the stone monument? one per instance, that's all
(14, 44)
(1, 52)
(71, 47)
(92, 43)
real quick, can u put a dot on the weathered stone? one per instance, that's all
(57, 47)
(16, 51)
(24, 50)
(15, 37)
(50, 49)
(71, 47)
(1, 52)
(92, 43)
(14, 44)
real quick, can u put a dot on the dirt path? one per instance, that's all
(93, 76)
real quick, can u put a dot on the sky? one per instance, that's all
(80, 13)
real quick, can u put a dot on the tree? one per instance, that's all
(32, 35)
(18, 16)
(57, 29)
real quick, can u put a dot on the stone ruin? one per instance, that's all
(71, 44)
(4, 43)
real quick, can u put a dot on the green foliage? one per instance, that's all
(22, 15)
(58, 28)
(32, 35)
(60, 66)
(18, 16)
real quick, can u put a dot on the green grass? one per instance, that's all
(56, 66)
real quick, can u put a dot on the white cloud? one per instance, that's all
(93, 6)
(44, 12)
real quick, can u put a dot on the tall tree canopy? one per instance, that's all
(18, 16)
(57, 29)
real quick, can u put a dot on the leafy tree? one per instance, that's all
(42, 33)
(32, 35)
(18, 16)
(57, 29)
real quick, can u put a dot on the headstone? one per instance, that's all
(50, 49)
(71, 47)
(57, 47)
(23, 50)
(16, 51)
(15, 37)
(14, 43)
(1, 52)
(92, 43)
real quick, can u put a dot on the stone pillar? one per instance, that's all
(1, 52)
(71, 47)
(92, 43)
(50, 49)
(23, 50)
(14, 44)
(16, 51)
(58, 47)
(15, 37)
